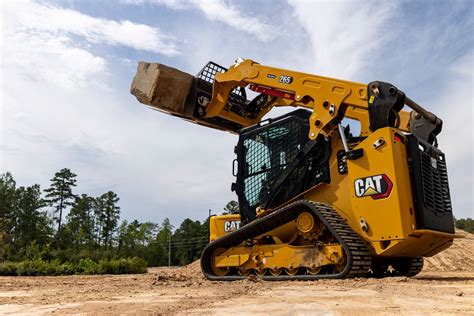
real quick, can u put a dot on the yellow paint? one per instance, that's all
(311, 91)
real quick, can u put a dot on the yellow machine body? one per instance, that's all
(390, 222)
(378, 202)
(222, 225)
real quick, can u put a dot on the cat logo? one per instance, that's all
(231, 226)
(377, 187)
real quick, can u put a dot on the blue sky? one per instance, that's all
(67, 68)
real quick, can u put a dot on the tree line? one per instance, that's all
(58, 224)
(466, 224)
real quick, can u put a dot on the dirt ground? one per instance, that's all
(446, 286)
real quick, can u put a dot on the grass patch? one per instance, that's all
(84, 266)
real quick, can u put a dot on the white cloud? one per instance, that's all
(345, 35)
(53, 44)
(229, 14)
(26, 15)
(51, 58)
(221, 11)
(456, 104)
(172, 4)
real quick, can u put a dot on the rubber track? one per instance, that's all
(415, 267)
(358, 257)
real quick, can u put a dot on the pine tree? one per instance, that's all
(32, 224)
(189, 241)
(231, 207)
(7, 213)
(107, 216)
(97, 206)
(80, 220)
(60, 196)
(161, 243)
(135, 239)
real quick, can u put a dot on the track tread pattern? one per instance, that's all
(361, 259)
(358, 256)
(415, 267)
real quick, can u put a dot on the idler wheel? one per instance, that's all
(218, 270)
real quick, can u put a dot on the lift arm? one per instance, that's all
(216, 98)
(330, 99)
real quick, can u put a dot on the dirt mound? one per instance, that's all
(192, 268)
(178, 277)
(458, 257)
(189, 275)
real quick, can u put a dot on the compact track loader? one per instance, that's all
(316, 201)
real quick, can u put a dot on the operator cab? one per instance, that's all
(271, 166)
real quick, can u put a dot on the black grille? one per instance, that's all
(435, 183)
(430, 186)
(267, 154)
(276, 162)
(237, 101)
(208, 73)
